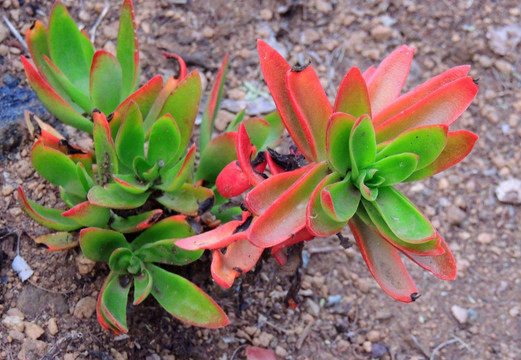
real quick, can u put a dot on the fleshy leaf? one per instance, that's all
(121, 259)
(311, 106)
(130, 183)
(184, 300)
(175, 177)
(318, 221)
(384, 262)
(240, 257)
(245, 151)
(443, 106)
(66, 47)
(258, 353)
(114, 298)
(130, 139)
(267, 192)
(402, 217)
(56, 168)
(387, 81)
(188, 200)
(396, 168)
(87, 214)
(105, 81)
(232, 181)
(58, 241)
(258, 131)
(407, 100)
(340, 200)
(183, 105)
(127, 49)
(362, 145)
(276, 130)
(135, 223)
(427, 142)
(85, 177)
(106, 157)
(219, 152)
(287, 214)
(112, 196)
(98, 244)
(210, 111)
(173, 227)
(164, 141)
(459, 145)
(274, 69)
(142, 286)
(337, 141)
(352, 97)
(54, 102)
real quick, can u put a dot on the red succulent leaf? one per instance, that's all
(368, 73)
(179, 65)
(383, 262)
(459, 145)
(442, 106)
(245, 150)
(136, 223)
(412, 97)
(278, 250)
(264, 194)
(274, 69)
(311, 106)
(257, 353)
(87, 214)
(352, 97)
(232, 181)
(442, 266)
(387, 81)
(274, 168)
(287, 215)
(240, 257)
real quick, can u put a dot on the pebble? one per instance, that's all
(373, 336)
(312, 307)
(381, 32)
(455, 215)
(514, 311)
(33, 331)
(281, 352)
(208, 32)
(84, 265)
(459, 313)
(13, 323)
(323, 6)
(266, 14)
(4, 31)
(485, 61)
(263, 340)
(311, 36)
(52, 326)
(484, 238)
(378, 350)
(383, 315)
(16, 335)
(367, 346)
(503, 66)
(85, 307)
(343, 345)
(509, 191)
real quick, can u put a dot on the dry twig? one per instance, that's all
(15, 33)
(98, 21)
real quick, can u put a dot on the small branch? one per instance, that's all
(420, 346)
(15, 33)
(98, 21)
(441, 346)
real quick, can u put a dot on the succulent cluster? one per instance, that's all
(138, 199)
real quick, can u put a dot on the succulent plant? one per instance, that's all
(132, 263)
(348, 158)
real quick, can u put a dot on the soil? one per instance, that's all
(341, 313)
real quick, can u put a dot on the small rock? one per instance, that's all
(312, 307)
(373, 336)
(84, 265)
(311, 36)
(505, 39)
(85, 307)
(111, 31)
(343, 345)
(381, 32)
(16, 312)
(485, 61)
(455, 215)
(16, 335)
(484, 238)
(265, 339)
(383, 315)
(514, 311)
(364, 285)
(33, 331)
(13, 323)
(208, 32)
(223, 119)
(367, 346)
(71, 356)
(378, 350)
(7, 190)
(32, 349)
(459, 313)
(509, 191)
(503, 66)
(4, 31)
(266, 14)
(10, 81)
(52, 326)
(323, 6)
(281, 352)
(251, 330)
(236, 94)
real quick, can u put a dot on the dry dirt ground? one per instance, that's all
(342, 313)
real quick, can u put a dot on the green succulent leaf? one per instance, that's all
(218, 153)
(368, 192)
(165, 138)
(67, 48)
(362, 145)
(85, 177)
(105, 81)
(166, 252)
(130, 139)
(175, 177)
(135, 222)
(98, 244)
(87, 214)
(57, 168)
(113, 196)
(396, 168)
(276, 130)
(70, 199)
(114, 298)
(131, 184)
(127, 49)
(105, 151)
(142, 286)
(340, 200)
(184, 300)
(234, 125)
(402, 217)
(173, 227)
(183, 105)
(58, 241)
(121, 259)
(337, 141)
(189, 200)
(427, 142)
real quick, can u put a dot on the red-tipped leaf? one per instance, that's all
(352, 97)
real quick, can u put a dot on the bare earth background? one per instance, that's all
(342, 312)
